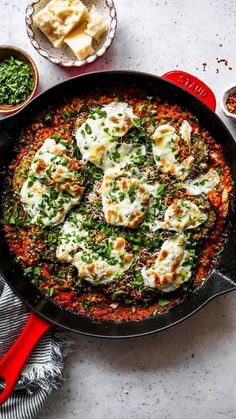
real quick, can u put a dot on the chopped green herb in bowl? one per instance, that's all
(18, 78)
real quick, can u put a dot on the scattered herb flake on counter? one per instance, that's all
(16, 81)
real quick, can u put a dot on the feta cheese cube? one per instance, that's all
(80, 42)
(59, 18)
(97, 24)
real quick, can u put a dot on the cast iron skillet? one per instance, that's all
(45, 313)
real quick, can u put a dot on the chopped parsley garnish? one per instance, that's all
(67, 114)
(162, 302)
(16, 81)
(88, 129)
(132, 192)
(48, 118)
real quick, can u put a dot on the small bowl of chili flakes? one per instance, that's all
(229, 102)
(19, 78)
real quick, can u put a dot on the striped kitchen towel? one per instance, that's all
(43, 371)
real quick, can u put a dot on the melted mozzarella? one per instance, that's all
(203, 183)
(151, 218)
(183, 215)
(166, 146)
(172, 266)
(119, 118)
(128, 154)
(52, 187)
(97, 137)
(124, 199)
(100, 270)
(46, 206)
(100, 266)
(185, 132)
(71, 237)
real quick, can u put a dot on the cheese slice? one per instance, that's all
(100, 264)
(156, 193)
(185, 133)
(165, 147)
(99, 270)
(52, 187)
(59, 17)
(183, 215)
(80, 42)
(97, 24)
(172, 266)
(124, 199)
(72, 236)
(97, 138)
(203, 183)
(46, 206)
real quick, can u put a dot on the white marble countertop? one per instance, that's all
(189, 370)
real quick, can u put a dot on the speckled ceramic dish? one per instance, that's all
(231, 89)
(64, 56)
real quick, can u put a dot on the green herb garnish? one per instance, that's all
(16, 81)
(162, 302)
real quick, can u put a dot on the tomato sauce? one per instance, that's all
(35, 247)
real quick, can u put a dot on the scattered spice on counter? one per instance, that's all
(204, 66)
(231, 103)
(222, 60)
(16, 81)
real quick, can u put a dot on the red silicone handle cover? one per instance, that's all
(13, 361)
(193, 85)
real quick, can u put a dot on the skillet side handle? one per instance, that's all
(13, 361)
(221, 283)
(193, 85)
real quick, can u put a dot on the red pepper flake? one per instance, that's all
(222, 60)
(45, 272)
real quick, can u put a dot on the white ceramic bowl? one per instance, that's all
(226, 93)
(64, 56)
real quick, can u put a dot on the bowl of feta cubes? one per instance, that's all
(71, 32)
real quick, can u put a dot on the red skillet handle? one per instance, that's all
(13, 361)
(193, 85)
